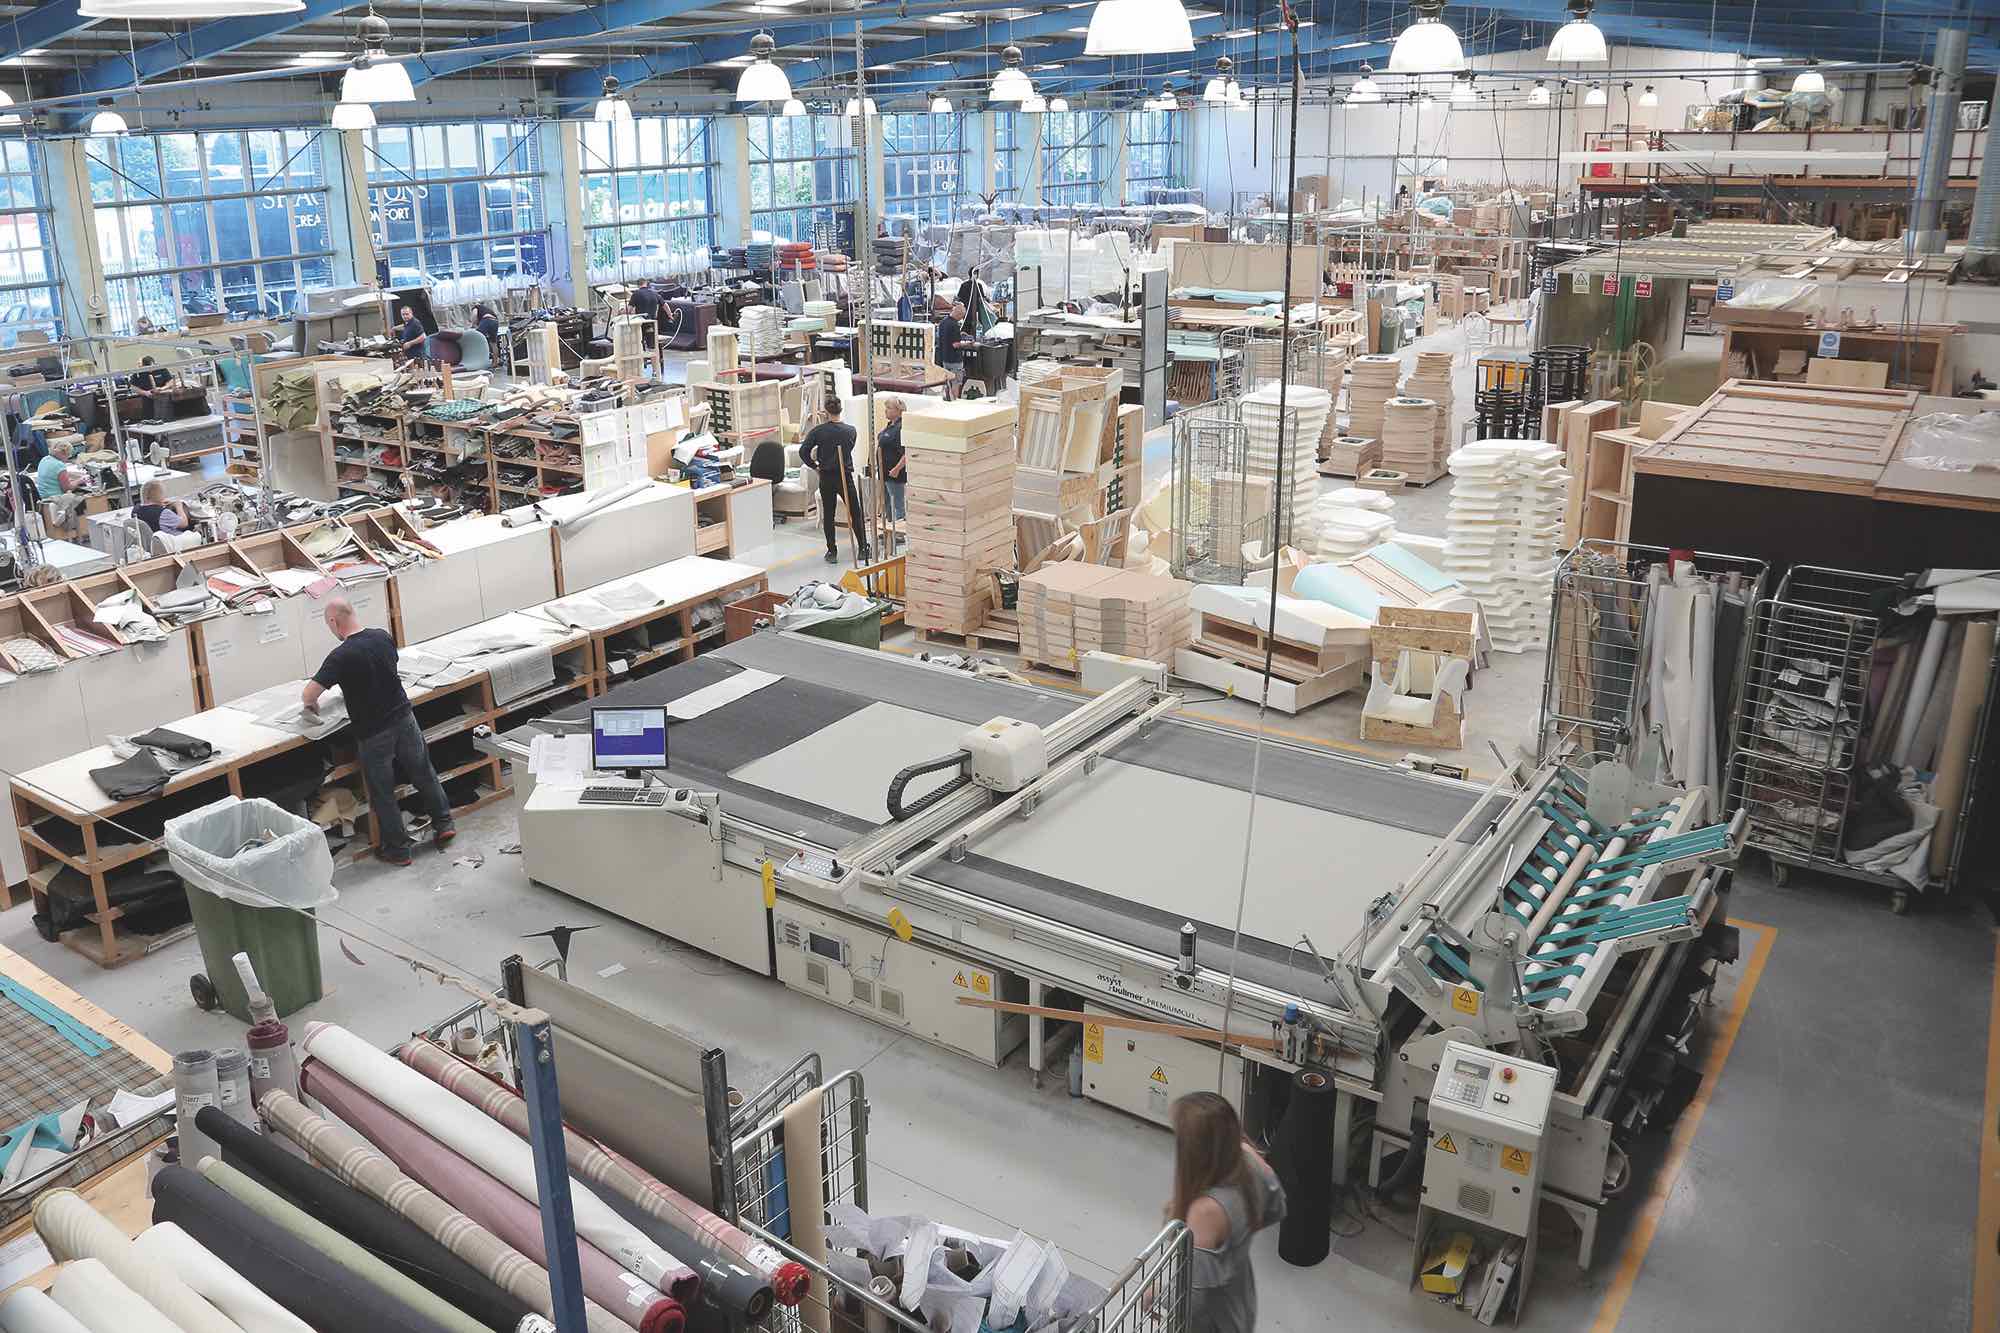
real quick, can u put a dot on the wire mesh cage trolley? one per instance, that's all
(1152, 1295)
(1600, 634)
(1804, 714)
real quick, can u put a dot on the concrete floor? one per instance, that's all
(1827, 1178)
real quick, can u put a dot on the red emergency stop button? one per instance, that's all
(1507, 1073)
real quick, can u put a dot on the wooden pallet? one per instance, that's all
(1766, 433)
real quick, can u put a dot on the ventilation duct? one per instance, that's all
(1926, 234)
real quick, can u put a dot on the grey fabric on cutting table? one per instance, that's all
(141, 775)
(175, 743)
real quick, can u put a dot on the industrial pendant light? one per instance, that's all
(864, 107)
(1058, 105)
(106, 121)
(794, 107)
(374, 78)
(1428, 45)
(1218, 87)
(1810, 80)
(1166, 101)
(1365, 90)
(612, 108)
(1595, 97)
(353, 116)
(1540, 95)
(1010, 84)
(940, 105)
(762, 81)
(1033, 104)
(1461, 89)
(1579, 41)
(1138, 28)
(1649, 98)
(139, 11)
(7, 99)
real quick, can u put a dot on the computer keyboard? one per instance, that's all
(622, 796)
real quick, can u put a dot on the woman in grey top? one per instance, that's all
(1225, 1193)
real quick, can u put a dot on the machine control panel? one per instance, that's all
(1486, 1092)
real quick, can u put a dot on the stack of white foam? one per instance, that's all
(763, 330)
(1292, 463)
(1506, 518)
(1344, 529)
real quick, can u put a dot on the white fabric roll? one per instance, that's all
(486, 1143)
(73, 1229)
(222, 1286)
(30, 1310)
(1920, 690)
(103, 1304)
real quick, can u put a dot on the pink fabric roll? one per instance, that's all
(493, 1205)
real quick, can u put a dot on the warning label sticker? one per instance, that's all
(1159, 1074)
(1517, 1160)
(1444, 1144)
(1465, 999)
(982, 983)
(960, 982)
(1093, 1043)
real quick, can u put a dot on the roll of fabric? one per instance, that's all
(72, 1229)
(165, 1244)
(388, 1235)
(1305, 1139)
(290, 1271)
(30, 1310)
(740, 1274)
(1975, 666)
(488, 1202)
(364, 1266)
(488, 1146)
(357, 1164)
(101, 1303)
(805, 1187)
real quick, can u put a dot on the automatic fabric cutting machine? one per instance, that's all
(1085, 855)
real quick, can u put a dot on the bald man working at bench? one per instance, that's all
(364, 667)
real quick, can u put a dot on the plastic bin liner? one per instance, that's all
(252, 852)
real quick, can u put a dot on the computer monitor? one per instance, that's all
(631, 739)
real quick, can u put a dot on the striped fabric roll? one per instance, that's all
(359, 1165)
(509, 1216)
(692, 1230)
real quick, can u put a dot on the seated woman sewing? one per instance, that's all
(159, 513)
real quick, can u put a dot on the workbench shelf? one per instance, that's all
(1918, 357)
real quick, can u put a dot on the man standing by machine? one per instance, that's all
(385, 729)
(645, 300)
(829, 448)
(951, 345)
(410, 337)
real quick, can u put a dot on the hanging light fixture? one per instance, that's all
(1365, 89)
(1595, 97)
(1461, 89)
(940, 105)
(1218, 87)
(612, 108)
(374, 78)
(1579, 41)
(7, 99)
(1233, 92)
(1168, 100)
(794, 107)
(1033, 104)
(864, 107)
(1540, 95)
(1810, 80)
(1138, 28)
(1649, 98)
(1428, 45)
(106, 121)
(762, 80)
(1010, 84)
(138, 11)
(353, 116)
(1058, 105)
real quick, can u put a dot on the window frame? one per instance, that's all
(831, 141)
(1084, 148)
(518, 169)
(613, 159)
(945, 155)
(1172, 161)
(37, 215)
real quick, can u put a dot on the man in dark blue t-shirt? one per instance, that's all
(364, 667)
(951, 344)
(411, 335)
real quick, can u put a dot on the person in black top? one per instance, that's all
(646, 301)
(150, 380)
(951, 345)
(829, 447)
(364, 667)
(411, 335)
(159, 513)
(889, 457)
(488, 325)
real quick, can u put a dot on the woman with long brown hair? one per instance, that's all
(1226, 1193)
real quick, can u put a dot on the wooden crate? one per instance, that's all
(1763, 433)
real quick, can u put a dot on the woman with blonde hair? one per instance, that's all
(1226, 1194)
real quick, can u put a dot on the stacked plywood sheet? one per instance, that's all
(1506, 517)
(1347, 455)
(1371, 382)
(1069, 608)
(960, 524)
(1288, 456)
(1410, 443)
(1432, 379)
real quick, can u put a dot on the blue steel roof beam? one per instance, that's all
(585, 84)
(44, 25)
(601, 18)
(1081, 71)
(202, 42)
(1783, 32)
(948, 41)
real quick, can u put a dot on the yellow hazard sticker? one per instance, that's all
(1444, 1144)
(901, 924)
(960, 982)
(770, 884)
(982, 983)
(1517, 1160)
(1159, 1074)
(1093, 1043)
(1465, 1000)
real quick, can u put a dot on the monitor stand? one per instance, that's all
(642, 776)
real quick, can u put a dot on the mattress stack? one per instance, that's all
(1432, 379)
(1371, 382)
(960, 510)
(1291, 462)
(1069, 609)
(1500, 542)
(1410, 443)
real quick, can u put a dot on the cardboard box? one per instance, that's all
(1445, 1265)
